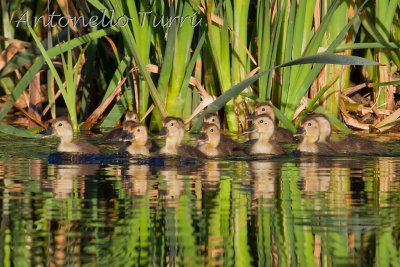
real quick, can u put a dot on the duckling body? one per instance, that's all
(280, 135)
(356, 144)
(212, 144)
(63, 129)
(174, 130)
(115, 134)
(265, 127)
(310, 129)
(225, 140)
(137, 137)
(352, 144)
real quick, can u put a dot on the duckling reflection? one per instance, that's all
(265, 174)
(315, 174)
(174, 130)
(281, 135)
(63, 129)
(67, 175)
(212, 175)
(115, 134)
(136, 179)
(225, 140)
(174, 185)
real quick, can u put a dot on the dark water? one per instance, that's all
(306, 211)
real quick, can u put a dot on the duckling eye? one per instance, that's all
(172, 124)
(263, 109)
(213, 120)
(261, 121)
(309, 124)
(212, 130)
(60, 124)
(138, 130)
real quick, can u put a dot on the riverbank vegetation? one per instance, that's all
(176, 57)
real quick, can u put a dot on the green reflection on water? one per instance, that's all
(274, 212)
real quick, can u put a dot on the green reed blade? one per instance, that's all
(289, 47)
(10, 130)
(52, 68)
(165, 72)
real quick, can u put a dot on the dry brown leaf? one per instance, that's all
(9, 52)
(350, 120)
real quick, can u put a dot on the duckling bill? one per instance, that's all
(63, 129)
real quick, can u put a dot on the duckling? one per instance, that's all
(280, 135)
(310, 129)
(211, 145)
(351, 144)
(63, 129)
(136, 135)
(265, 127)
(126, 135)
(225, 140)
(115, 134)
(174, 130)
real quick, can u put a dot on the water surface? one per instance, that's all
(308, 211)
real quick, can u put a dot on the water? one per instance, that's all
(288, 210)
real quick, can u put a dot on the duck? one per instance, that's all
(173, 129)
(138, 142)
(225, 140)
(281, 135)
(351, 144)
(63, 129)
(310, 129)
(265, 127)
(115, 134)
(211, 145)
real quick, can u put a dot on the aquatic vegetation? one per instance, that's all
(175, 59)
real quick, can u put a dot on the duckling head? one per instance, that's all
(262, 108)
(131, 116)
(325, 129)
(61, 128)
(210, 134)
(135, 132)
(212, 118)
(173, 129)
(310, 129)
(263, 124)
